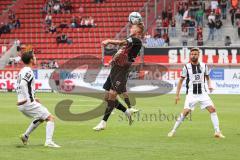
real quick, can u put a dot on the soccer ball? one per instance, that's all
(135, 18)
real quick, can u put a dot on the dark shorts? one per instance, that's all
(107, 85)
(117, 79)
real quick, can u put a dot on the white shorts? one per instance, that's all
(192, 99)
(34, 110)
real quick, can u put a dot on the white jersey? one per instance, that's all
(26, 85)
(195, 77)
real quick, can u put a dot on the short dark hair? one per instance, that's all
(194, 49)
(27, 56)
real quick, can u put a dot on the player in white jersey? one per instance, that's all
(196, 73)
(29, 105)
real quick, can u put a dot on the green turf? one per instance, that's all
(146, 139)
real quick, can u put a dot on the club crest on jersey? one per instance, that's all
(118, 83)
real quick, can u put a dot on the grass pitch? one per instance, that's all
(145, 140)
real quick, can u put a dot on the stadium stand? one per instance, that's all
(109, 17)
(193, 26)
(4, 5)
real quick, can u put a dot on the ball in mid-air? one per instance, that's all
(135, 18)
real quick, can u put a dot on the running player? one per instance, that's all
(29, 105)
(117, 80)
(196, 72)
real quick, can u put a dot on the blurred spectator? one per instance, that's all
(17, 24)
(185, 28)
(99, 1)
(218, 25)
(44, 65)
(87, 22)
(63, 24)
(63, 38)
(82, 23)
(199, 17)
(223, 4)
(74, 23)
(92, 23)
(164, 14)
(237, 14)
(232, 12)
(228, 41)
(211, 26)
(214, 4)
(57, 8)
(52, 28)
(14, 60)
(5, 28)
(199, 36)
(194, 6)
(147, 35)
(218, 13)
(169, 12)
(199, 31)
(173, 28)
(200, 40)
(45, 8)
(1, 30)
(192, 26)
(11, 15)
(50, 4)
(53, 64)
(180, 13)
(186, 15)
(165, 25)
(48, 19)
(166, 39)
(234, 3)
(11, 23)
(67, 6)
(238, 27)
(159, 25)
(211, 17)
(17, 42)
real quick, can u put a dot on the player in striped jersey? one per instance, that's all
(196, 73)
(29, 105)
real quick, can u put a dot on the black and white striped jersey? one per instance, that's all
(195, 77)
(26, 85)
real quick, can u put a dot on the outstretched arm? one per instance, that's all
(179, 86)
(209, 83)
(114, 42)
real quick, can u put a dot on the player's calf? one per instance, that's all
(215, 122)
(179, 121)
(49, 132)
(34, 124)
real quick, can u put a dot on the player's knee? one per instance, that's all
(125, 95)
(106, 96)
(186, 112)
(50, 118)
(106, 99)
(212, 109)
(112, 95)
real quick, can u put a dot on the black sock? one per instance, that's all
(109, 109)
(120, 107)
(127, 101)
